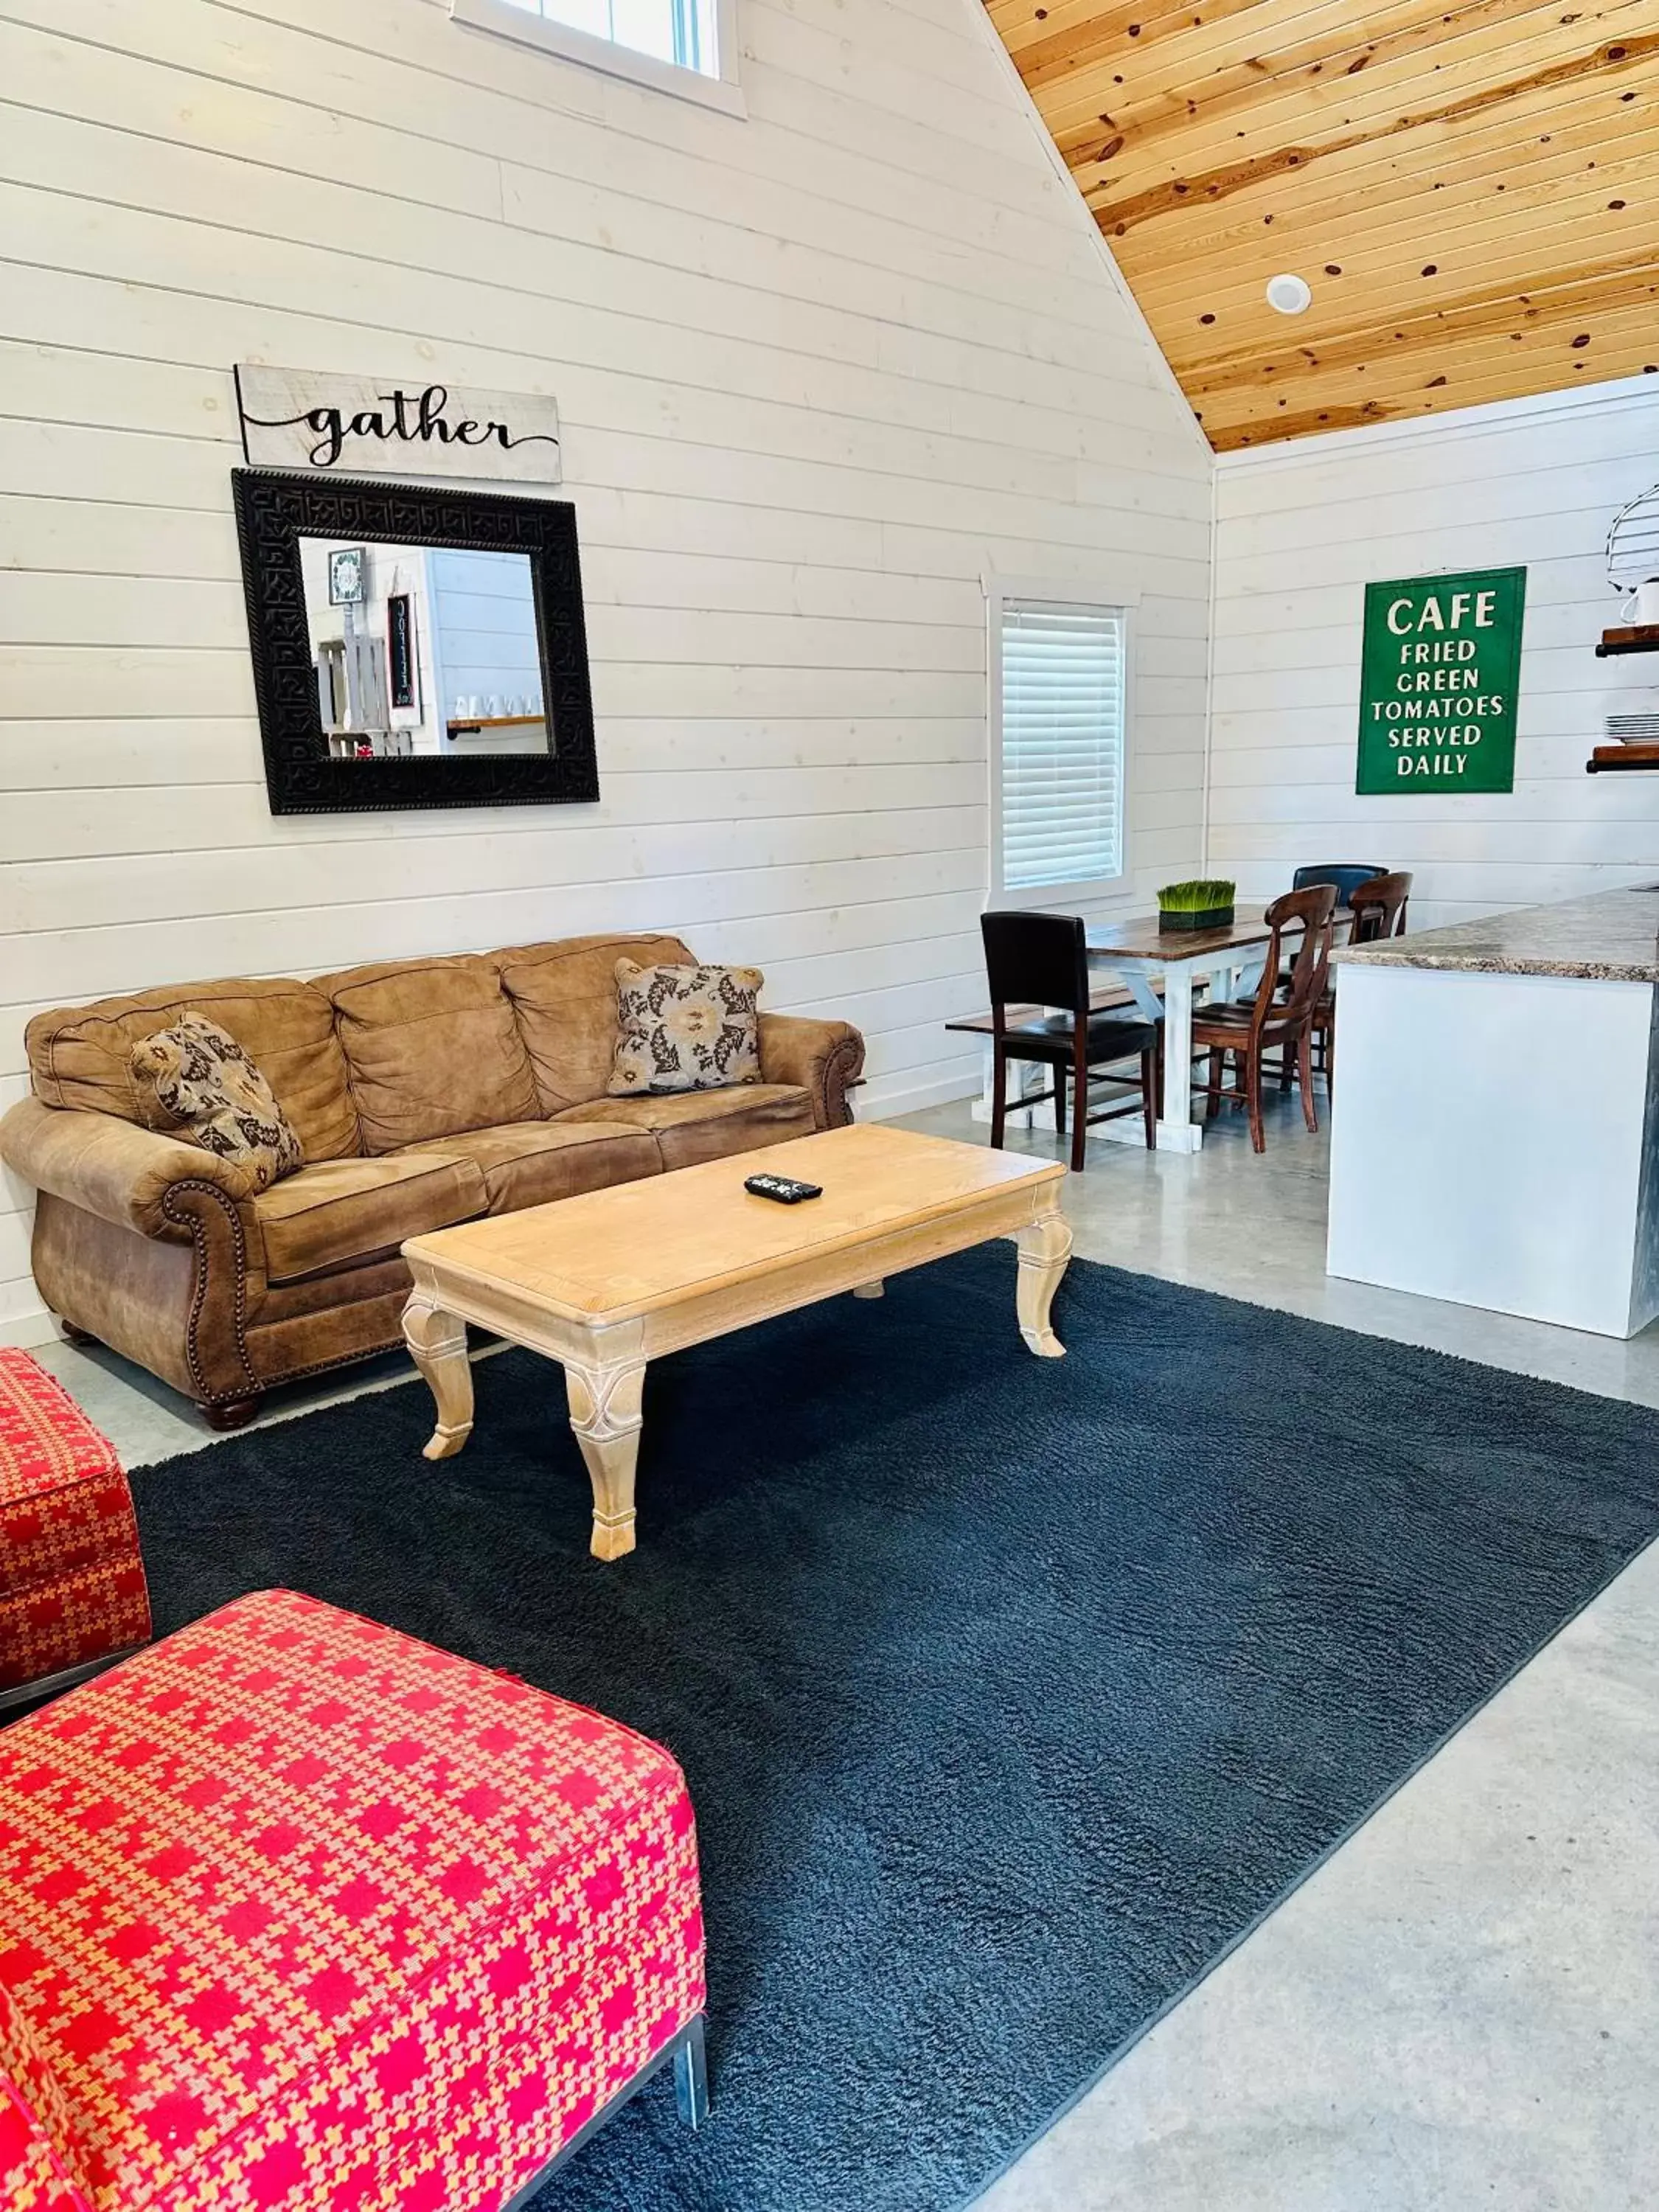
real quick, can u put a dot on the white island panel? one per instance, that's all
(1489, 1137)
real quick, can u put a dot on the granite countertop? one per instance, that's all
(1611, 937)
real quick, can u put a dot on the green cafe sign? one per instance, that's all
(1437, 679)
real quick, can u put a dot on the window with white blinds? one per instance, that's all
(1061, 754)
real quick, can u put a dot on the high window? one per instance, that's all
(684, 46)
(1059, 684)
(678, 31)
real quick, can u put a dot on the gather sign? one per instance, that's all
(1439, 667)
(295, 418)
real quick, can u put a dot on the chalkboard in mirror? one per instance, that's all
(414, 646)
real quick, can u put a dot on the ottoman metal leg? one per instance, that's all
(691, 2094)
(691, 2076)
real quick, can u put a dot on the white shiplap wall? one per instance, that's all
(1301, 530)
(818, 370)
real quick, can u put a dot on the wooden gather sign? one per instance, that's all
(292, 418)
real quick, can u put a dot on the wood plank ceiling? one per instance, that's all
(1470, 191)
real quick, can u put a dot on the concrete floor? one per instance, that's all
(1460, 2008)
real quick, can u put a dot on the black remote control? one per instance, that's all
(784, 1188)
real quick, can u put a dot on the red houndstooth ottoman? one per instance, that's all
(71, 1580)
(298, 1915)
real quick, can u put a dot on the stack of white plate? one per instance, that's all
(1641, 729)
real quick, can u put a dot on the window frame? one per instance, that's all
(724, 92)
(1115, 595)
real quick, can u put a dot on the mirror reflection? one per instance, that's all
(422, 649)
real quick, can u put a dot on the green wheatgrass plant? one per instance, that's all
(1203, 895)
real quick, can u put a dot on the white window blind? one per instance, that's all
(1061, 743)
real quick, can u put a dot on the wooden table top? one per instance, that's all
(640, 1246)
(1142, 938)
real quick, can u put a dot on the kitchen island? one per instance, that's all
(1493, 1131)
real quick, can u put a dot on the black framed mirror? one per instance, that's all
(414, 646)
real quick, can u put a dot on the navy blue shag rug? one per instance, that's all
(1010, 1691)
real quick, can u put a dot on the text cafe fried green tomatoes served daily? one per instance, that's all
(1439, 672)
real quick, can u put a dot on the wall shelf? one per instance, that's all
(1613, 760)
(1643, 638)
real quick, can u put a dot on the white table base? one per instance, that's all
(1228, 974)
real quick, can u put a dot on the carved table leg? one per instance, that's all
(605, 1413)
(1045, 1246)
(437, 1345)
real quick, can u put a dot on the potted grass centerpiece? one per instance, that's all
(1206, 902)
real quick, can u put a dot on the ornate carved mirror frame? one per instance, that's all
(275, 511)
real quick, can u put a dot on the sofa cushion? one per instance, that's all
(339, 1213)
(565, 997)
(81, 1055)
(431, 1047)
(533, 1162)
(706, 1125)
(193, 1080)
(685, 1027)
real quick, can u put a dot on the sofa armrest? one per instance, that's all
(825, 1058)
(112, 1167)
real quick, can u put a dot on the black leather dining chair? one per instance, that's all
(1345, 877)
(1042, 960)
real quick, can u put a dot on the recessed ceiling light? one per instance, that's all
(1291, 296)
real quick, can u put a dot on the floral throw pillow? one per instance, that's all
(685, 1028)
(195, 1082)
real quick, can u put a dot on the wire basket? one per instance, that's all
(1633, 543)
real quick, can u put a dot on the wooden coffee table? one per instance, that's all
(606, 1282)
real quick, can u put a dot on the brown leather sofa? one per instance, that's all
(424, 1091)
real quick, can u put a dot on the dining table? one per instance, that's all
(1141, 954)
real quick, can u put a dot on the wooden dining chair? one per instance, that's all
(1377, 908)
(1043, 959)
(1300, 923)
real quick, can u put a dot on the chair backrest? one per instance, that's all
(1304, 917)
(1345, 876)
(1037, 959)
(1379, 908)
